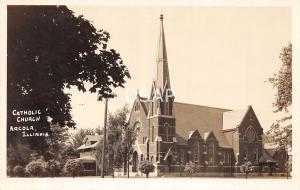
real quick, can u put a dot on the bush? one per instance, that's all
(53, 168)
(19, 171)
(146, 167)
(190, 168)
(73, 167)
(246, 168)
(36, 168)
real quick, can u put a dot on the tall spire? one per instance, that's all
(162, 79)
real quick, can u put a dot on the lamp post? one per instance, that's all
(104, 140)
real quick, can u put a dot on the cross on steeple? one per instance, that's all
(161, 17)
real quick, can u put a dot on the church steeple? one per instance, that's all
(161, 97)
(162, 80)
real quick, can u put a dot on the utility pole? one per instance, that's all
(104, 140)
(128, 138)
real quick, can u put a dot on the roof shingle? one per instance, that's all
(191, 117)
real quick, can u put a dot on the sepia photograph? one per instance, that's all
(157, 91)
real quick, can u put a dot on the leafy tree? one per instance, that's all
(146, 167)
(49, 49)
(281, 130)
(69, 152)
(76, 138)
(116, 144)
(57, 143)
(73, 167)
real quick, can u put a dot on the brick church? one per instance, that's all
(171, 134)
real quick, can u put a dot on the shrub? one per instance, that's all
(73, 167)
(190, 168)
(36, 168)
(53, 168)
(146, 167)
(19, 171)
(246, 168)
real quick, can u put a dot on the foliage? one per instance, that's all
(282, 80)
(69, 152)
(17, 155)
(281, 130)
(36, 168)
(73, 167)
(77, 137)
(246, 168)
(49, 49)
(56, 143)
(190, 168)
(281, 135)
(19, 171)
(53, 168)
(146, 167)
(120, 139)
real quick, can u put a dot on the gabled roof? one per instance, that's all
(191, 117)
(207, 135)
(96, 138)
(92, 138)
(232, 119)
(180, 140)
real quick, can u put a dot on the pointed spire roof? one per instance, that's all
(162, 79)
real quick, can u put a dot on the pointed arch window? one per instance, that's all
(167, 131)
(250, 134)
(137, 128)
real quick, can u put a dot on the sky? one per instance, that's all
(218, 56)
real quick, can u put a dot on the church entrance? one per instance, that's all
(135, 160)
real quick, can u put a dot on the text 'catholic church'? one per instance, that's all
(171, 134)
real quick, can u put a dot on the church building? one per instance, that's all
(171, 134)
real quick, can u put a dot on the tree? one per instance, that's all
(73, 167)
(120, 139)
(146, 167)
(116, 135)
(76, 138)
(281, 130)
(57, 143)
(49, 49)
